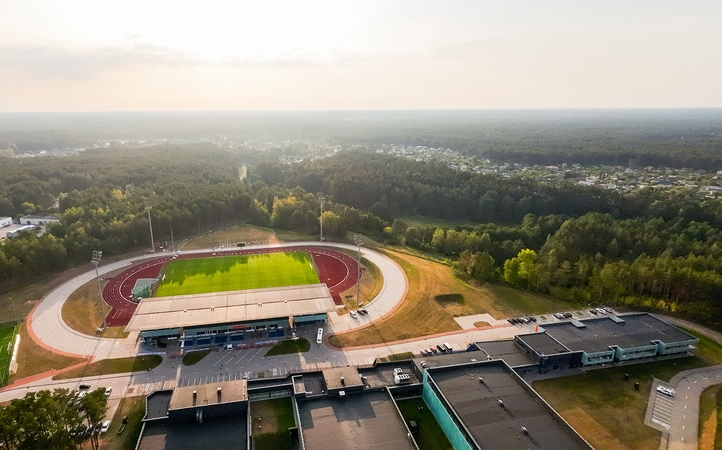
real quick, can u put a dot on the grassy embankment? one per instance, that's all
(82, 313)
(372, 281)
(608, 411)
(33, 359)
(134, 408)
(435, 297)
(110, 366)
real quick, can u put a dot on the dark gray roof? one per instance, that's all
(543, 344)
(508, 350)
(157, 404)
(599, 334)
(496, 427)
(215, 432)
(359, 421)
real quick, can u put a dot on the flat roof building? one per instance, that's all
(364, 421)
(486, 405)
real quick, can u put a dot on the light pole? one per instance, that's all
(357, 240)
(97, 254)
(320, 197)
(150, 224)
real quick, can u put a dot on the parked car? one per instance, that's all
(441, 348)
(665, 390)
(433, 350)
(84, 387)
(104, 426)
(353, 314)
(108, 391)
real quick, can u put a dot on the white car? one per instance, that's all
(353, 314)
(665, 390)
(104, 427)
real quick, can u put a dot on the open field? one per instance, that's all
(81, 312)
(230, 273)
(110, 366)
(33, 359)
(430, 435)
(271, 421)
(422, 314)
(7, 336)
(611, 414)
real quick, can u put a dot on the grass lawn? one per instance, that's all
(134, 408)
(421, 313)
(109, 366)
(430, 436)
(611, 414)
(7, 335)
(718, 434)
(708, 417)
(271, 421)
(193, 357)
(290, 346)
(230, 273)
(33, 359)
(82, 313)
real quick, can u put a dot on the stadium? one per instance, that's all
(203, 299)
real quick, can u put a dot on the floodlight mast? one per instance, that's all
(320, 197)
(148, 206)
(357, 240)
(97, 254)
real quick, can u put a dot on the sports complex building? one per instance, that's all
(479, 398)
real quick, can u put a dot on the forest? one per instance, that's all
(652, 249)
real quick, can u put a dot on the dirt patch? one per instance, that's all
(481, 324)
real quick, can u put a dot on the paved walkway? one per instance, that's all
(47, 326)
(678, 417)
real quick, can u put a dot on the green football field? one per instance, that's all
(7, 334)
(230, 273)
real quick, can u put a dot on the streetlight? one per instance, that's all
(97, 254)
(320, 197)
(358, 241)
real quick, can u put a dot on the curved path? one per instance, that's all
(46, 324)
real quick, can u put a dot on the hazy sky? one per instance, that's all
(75, 55)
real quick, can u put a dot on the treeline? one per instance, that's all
(390, 187)
(103, 200)
(57, 420)
(651, 248)
(649, 263)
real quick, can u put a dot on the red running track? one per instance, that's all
(337, 270)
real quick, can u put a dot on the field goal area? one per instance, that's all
(144, 287)
(7, 342)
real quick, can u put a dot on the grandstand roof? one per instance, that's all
(228, 307)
